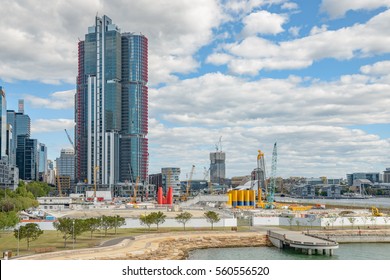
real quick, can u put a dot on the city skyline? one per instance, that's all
(311, 75)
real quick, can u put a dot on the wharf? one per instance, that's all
(300, 241)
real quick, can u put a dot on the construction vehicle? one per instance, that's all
(375, 212)
(272, 185)
(295, 207)
(184, 197)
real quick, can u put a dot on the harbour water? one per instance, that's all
(382, 202)
(352, 251)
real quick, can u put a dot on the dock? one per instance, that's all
(302, 241)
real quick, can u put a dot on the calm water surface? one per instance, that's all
(357, 251)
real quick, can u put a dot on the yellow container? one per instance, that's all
(246, 198)
(241, 198)
(234, 198)
(230, 198)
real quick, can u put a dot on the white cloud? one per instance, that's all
(336, 8)
(316, 30)
(308, 118)
(56, 100)
(263, 22)
(379, 68)
(32, 49)
(218, 58)
(290, 6)
(294, 30)
(254, 54)
(51, 125)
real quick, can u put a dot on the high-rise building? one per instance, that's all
(26, 157)
(3, 123)
(171, 178)
(217, 167)
(20, 124)
(111, 108)
(42, 162)
(65, 163)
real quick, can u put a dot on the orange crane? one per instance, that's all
(135, 190)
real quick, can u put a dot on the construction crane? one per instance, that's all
(185, 196)
(260, 178)
(207, 178)
(272, 185)
(135, 190)
(70, 139)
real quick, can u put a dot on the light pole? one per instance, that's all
(73, 234)
(18, 238)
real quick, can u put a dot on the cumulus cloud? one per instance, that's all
(308, 150)
(352, 100)
(55, 101)
(254, 54)
(336, 8)
(51, 125)
(379, 68)
(31, 49)
(263, 22)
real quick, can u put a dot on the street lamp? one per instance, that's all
(18, 238)
(73, 234)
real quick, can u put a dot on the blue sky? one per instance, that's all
(312, 75)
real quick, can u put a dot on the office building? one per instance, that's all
(65, 163)
(27, 158)
(3, 123)
(373, 177)
(386, 176)
(171, 178)
(19, 124)
(111, 106)
(42, 162)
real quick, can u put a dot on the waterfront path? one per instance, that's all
(299, 240)
(163, 246)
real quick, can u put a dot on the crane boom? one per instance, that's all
(271, 191)
(70, 139)
(189, 181)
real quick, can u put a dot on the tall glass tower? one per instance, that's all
(111, 105)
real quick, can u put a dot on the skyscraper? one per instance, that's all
(3, 123)
(111, 105)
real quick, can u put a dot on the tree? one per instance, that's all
(69, 228)
(38, 189)
(183, 218)
(212, 217)
(118, 222)
(30, 231)
(158, 218)
(146, 220)
(92, 225)
(8, 219)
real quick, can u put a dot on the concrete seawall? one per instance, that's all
(355, 236)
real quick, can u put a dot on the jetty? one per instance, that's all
(304, 242)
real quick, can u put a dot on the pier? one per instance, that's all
(300, 241)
